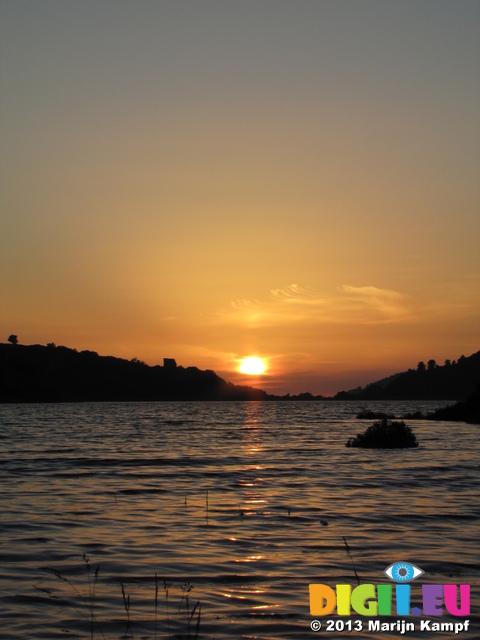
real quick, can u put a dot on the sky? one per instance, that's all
(208, 180)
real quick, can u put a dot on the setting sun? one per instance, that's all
(252, 366)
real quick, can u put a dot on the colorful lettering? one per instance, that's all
(384, 599)
(343, 599)
(371, 600)
(450, 595)
(360, 595)
(322, 600)
(402, 595)
(432, 599)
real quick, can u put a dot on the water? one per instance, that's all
(126, 484)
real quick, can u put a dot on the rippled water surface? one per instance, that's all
(234, 508)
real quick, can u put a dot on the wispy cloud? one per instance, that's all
(297, 304)
(392, 305)
(296, 294)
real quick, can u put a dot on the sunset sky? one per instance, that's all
(208, 180)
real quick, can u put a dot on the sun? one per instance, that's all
(252, 366)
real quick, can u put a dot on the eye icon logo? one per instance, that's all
(403, 572)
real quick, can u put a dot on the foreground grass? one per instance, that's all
(86, 605)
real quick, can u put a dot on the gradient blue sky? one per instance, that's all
(209, 180)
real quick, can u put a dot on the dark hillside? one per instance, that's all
(39, 373)
(467, 410)
(452, 381)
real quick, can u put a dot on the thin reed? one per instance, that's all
(349, 554)
(192, 619)
(126, 603)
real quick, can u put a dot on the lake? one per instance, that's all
(210, 520)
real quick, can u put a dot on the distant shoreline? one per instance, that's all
(50, 373)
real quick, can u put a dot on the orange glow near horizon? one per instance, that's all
(228, 194)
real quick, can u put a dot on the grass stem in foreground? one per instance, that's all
(347, 549)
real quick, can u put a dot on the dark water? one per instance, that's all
(126, 484)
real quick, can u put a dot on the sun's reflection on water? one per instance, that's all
(268, 486)
(250, 559)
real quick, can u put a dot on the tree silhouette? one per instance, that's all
(13, 339)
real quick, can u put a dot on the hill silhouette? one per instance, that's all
(37, 373)
(467, 410)
(452, 381)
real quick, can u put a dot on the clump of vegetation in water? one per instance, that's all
(385, 434)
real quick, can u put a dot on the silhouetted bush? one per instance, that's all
(385, 434)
